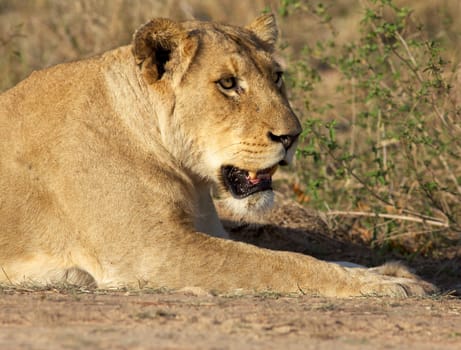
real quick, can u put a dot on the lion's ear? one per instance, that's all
(265, 28)
(154, 44)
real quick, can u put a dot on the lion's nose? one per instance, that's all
(285, 140)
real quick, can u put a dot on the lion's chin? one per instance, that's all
(251, 207)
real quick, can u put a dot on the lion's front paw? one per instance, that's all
(382, 285)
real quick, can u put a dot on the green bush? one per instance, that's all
(393, 158)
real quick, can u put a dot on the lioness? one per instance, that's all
(106, 166)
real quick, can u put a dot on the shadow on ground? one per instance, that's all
(292, 227)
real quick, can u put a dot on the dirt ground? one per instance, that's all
(53, 320)
(72, 318)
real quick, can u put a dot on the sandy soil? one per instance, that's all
(71, 318)
(53, 320)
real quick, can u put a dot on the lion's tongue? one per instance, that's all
(256, 178)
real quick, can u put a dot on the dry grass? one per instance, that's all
(39, 33)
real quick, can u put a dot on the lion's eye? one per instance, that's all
(228, 83)
(278, 78)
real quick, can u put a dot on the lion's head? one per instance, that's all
(228, 120)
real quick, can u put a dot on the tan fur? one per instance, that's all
(106, 167)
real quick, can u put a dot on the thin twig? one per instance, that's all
(301, 291)
(354, 117)
(415, 70)
(450, 174)
(393, 236)
(433, 221)
(409, 54)
(6, 275)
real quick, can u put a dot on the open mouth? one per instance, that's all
(242, 183)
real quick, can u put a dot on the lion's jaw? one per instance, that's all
(246, 184)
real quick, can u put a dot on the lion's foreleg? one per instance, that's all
(215, 264)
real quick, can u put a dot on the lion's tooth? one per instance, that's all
(252, 175)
